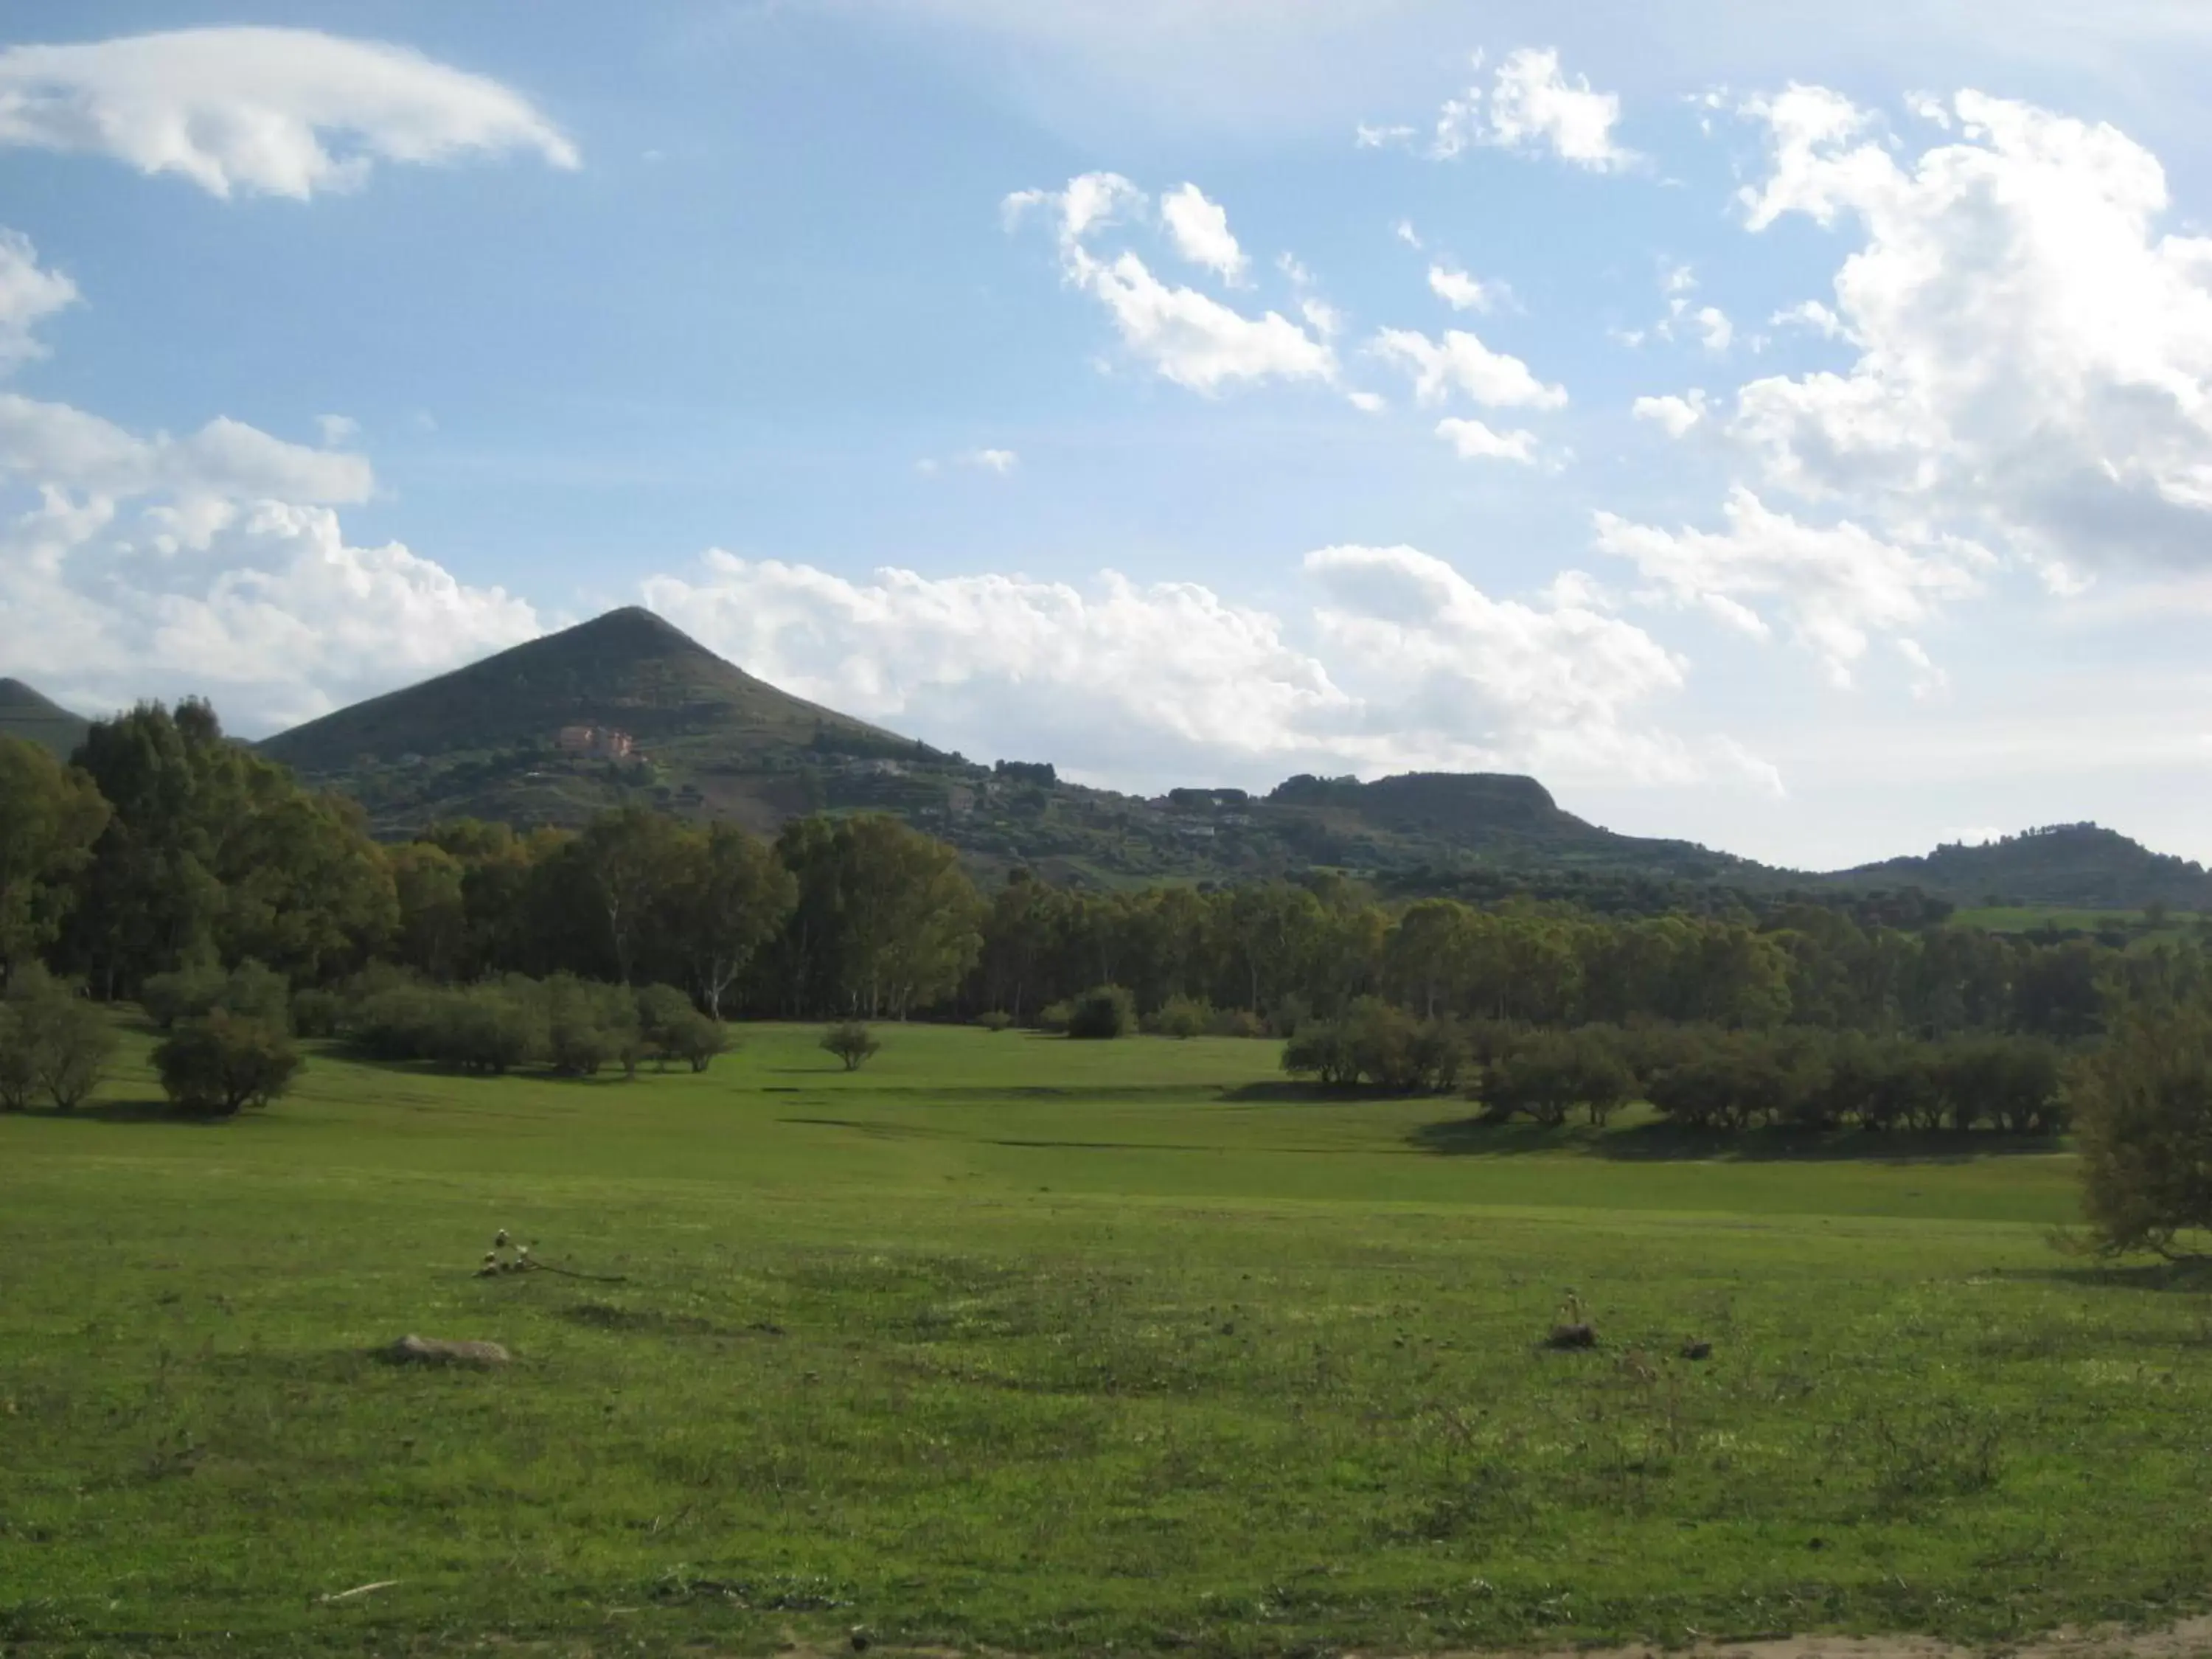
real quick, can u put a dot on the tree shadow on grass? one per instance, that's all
(155, 1110)
(1669, 1142)
(2186, 1274)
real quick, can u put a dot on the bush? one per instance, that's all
(1381, 1044)
(1104, 1011)
(52, 1042)
(2142, 1109)
(589, 1026)
(1053, 1017)
(486, 1029)
(851, 1042)
(996, 1020)
(1236, 1023)
(216, 1065)
(250, 990)
(1547, 1076)
(696, 1040)
(318, 1013)
(1181, 1017)
(181, 993)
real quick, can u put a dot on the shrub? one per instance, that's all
(318, 1013)
(662, 1012)
(257, 993)
(52, 1042)
(181, 993)
(2142, 1109)
(588, 1026)
(695, 1040)
(215, 1067)
(1053, 1017)
(1547, 1076)
(486, 1029)
(998, 1020)
(1104, 1011)
(1183, 1017)
(851, 1042)
(1236, 1023)
(1321, 1049)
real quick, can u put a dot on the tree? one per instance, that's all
(216, 1066)
(2143, 1109)
(52, 1042)
(631, 858)
(50, 816)
(885, 921)
(851, 1042)
(1104, 1011)
(728, 898)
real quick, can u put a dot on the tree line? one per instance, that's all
(162, 846)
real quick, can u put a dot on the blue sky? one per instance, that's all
(1785, 427)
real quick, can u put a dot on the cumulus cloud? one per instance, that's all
(29, 294)
(1181, 334)
(1458, 361)
(1461, 291)
(1835, 585)
(1675, 416)
(1411, 665)
(1474, 441)
(1199, 230)
(2035, 363)
(1531, 106)
(280, 111)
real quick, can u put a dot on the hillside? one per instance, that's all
(25, 713)
(2080, 865)
(628, 710)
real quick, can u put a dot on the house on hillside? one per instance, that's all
(595, 742)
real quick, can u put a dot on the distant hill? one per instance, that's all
(25, 713)
(629, 709)
(2081, 865)
(643, 705)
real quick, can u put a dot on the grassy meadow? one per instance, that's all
(1012, 1342)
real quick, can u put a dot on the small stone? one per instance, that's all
(412, 1350)
(1697, 1350)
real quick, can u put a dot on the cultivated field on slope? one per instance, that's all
(1012, 1342)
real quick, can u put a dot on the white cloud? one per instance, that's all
(2036, 354)
(1715, 329)
(1404, 232)
(282, 112)
(1837, 585)
(29, 294)
(1474, 441)
(1000, 461)
(337, 429)
(1531, 106)
(1461, 291)
(1367, 402)
(1199, 230)
(1676, 415)
(1459, 361)
(1809, 314)
(1183, 335)
(1113, 680)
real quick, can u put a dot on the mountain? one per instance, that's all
(627, 709)
(2077, 865)
(643, 705)
(25, 713)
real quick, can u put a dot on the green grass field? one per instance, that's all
(1012, 1342)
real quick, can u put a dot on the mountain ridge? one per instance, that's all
(29, 714)
(627, 709)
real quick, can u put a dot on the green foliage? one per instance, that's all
(1549, 1074)
(995, 1020)
(50, 815)
(851, 1042)
(317, 1013)
(1181, 1017)
(52, 1042)
(590, 1026)
(1104, 1011)
(216, 1066)
(2142, 1109)
(1380, 1045)
(672, 1028)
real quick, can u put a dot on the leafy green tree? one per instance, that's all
(727, 898)
(1104, 1011)
(50, 815)
(216, 1066)
(52, 1041)
(2143, 1112)
(851, 1042)
(885, 921)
